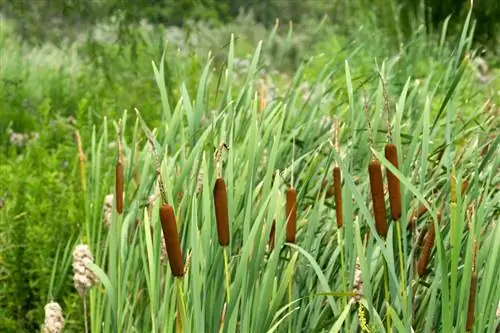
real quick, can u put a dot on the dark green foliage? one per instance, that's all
(41, 211)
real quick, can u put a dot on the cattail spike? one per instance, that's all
(472, 302)
(221, 211)
(119, 187)
(337, 185)
(171, 237)
(291, 213)
(377, 190)
(426, 252)
(391, 154)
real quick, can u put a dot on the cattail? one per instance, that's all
(472, 293)
(337, 185)
(272, 236)
(377, 189)
(291, 213)
(221, 211)
(119, 187)
(54, 320)
(84, 278)
(391, 153)
(171, 237)
(415, 215)
(426, 251)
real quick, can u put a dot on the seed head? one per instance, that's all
(54, 320)
(83, 277)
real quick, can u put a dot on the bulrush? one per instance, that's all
(291, 214)
(54, 320)
(391, 154)
(171, 236)
(221, 211)
(337, 185)
(428, 245)
(119, 178)
(272, 236)
(377, 190)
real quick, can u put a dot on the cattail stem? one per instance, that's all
(226, 271)
(391, 154)
(337, 185)
(340, 236)
(387, 295)
(171, 236)
(291, 213)
(85, 315)
(221, 211)
(377, 190)
(180, 302)
(401, 265)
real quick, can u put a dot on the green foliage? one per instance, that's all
(194, 104)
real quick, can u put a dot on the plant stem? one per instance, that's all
(84, 298)
(226, 271)
(342, 265)
(182, 303)
(387, 297)
(401, 266)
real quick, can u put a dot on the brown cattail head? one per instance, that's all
(119, 187)
(337, 185)
(472, 294)
(221, 212)
(272, 236)
(171, 236)
(472, 301)
(391, 154)
(426, 252)
(377, 190)
(291, 214)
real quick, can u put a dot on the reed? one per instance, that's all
(171, 236)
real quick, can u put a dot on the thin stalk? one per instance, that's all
(401, 265)
(342, 265)
(226, 270)
(84, 298)
(180, 295)
(387, 296)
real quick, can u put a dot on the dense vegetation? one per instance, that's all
(274, 104)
